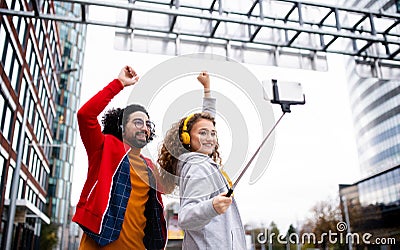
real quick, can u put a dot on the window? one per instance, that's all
(38, 27)
(71, 156)
(35, 165)
(2, 105)
(28, 52)
(20, 188)
(31, 110)
(46, 7)
(22, 92)
(41, 41)
(32, 62)
(67, 171)
(16, 69)
(9, 181)
(42, 93)
(42, 176)
(31, 157)
(15, 139)
(52, 187)
(63, 153)
(41, 138)
(7, 58)
(36, 124)
(57, 173)
(2, 168)
(65, 98)
(10, 4)
(3, 40)
(37, 169)
(22, 31)
(70, 135)
(7, 122)
(61, 135)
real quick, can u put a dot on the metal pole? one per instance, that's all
(16, 174)
(230, 191)
(346, 216)
(66, 212)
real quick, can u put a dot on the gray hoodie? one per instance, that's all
(200, 181)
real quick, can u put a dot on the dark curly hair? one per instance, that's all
(173, 147)
(115, 119)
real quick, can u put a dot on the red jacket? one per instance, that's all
(105, 155)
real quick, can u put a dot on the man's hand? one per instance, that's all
(221, 203)
(128, 76)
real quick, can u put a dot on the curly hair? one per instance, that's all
(173, 147)
(114, 120)
(111, 122)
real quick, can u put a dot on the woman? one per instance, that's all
(210, 220)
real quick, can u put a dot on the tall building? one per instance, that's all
(30, 60)
(375, 98)
(40, 79)
(72, 44)
(374, 91)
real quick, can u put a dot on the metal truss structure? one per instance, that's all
(272, 27)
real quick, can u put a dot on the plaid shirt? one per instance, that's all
(155, 232)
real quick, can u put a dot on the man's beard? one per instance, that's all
(137, 143)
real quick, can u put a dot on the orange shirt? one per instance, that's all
(132, 232)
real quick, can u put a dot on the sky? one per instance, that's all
(314, 148)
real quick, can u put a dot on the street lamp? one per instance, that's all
(17, 170)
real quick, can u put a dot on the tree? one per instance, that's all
(291, 237)
(323, 222)
(274, 231)
(48, 236)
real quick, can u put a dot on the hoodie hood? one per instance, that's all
(191, 158)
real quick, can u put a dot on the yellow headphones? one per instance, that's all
(185, 135)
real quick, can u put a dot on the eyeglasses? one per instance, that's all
(139, 123)
(205, 133)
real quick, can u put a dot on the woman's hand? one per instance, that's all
(221, 203)
(127, 76)
(204, 79)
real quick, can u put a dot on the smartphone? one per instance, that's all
(287, 91)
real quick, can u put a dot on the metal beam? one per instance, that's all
(384, 37)
(83, 12)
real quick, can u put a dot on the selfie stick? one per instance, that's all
(285, 105)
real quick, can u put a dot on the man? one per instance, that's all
(118, 207)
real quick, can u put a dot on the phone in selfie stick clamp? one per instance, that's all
(285, 106)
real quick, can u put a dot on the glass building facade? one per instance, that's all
(72, 42)
(41, 63)
(374, 202)
(375, 102)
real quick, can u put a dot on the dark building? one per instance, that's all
(373, 204)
